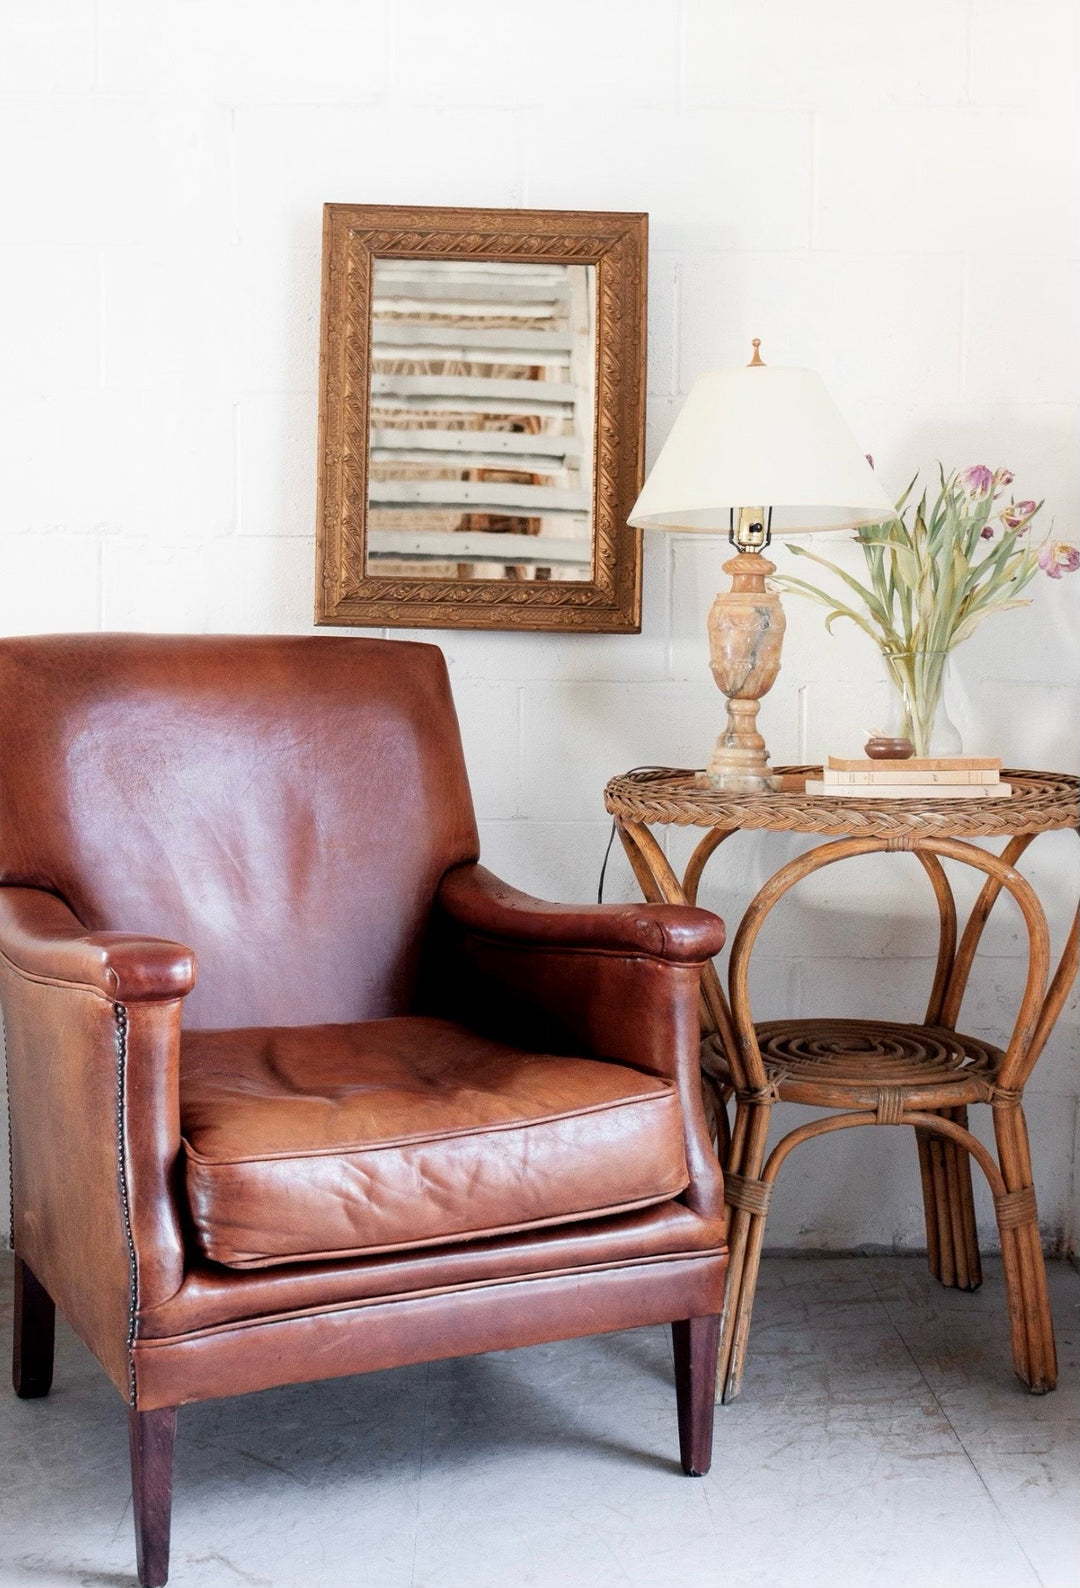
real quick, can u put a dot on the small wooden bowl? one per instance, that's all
(882, 749)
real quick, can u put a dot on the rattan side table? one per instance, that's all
(874, 1072)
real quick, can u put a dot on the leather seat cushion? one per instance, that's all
(312, 1142)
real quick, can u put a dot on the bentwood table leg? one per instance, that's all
(1039, 1369)
(749, 1204)
(1017, 1214)
(1031, 1322)
(745, 1145)
(952, 1246)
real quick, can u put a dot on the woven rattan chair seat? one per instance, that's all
(847, 1063)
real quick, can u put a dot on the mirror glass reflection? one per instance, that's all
(482, 404)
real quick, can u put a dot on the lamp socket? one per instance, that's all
(750, 529)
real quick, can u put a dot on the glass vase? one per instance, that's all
(919, 708)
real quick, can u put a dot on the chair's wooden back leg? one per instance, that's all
(962, 1208)
(34, 1335)
(930, 1207)
(951, 1240)
(695, 1341)
(152, 1436)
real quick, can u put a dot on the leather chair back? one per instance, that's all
(284, 806)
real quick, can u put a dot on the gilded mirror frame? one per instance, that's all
(354, 237)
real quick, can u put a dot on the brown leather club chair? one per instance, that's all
(403, 1112)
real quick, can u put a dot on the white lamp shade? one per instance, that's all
(761, 437)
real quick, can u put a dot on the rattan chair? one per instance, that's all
(875, 1072)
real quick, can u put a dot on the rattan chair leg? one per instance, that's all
(1014, 1290)
(744, 1311)
(1022, 1276)
(964, 1207)
(952, 1245)
(738, 1228)
(737, 1242)
(716, 1115)
(731, 1307)
(953, 1213)
(1014, 1301)
(733, 1163)
(946, 1270)
(748, 1155)
(925, 1144)
(1042, 1354)
(1036, 1360)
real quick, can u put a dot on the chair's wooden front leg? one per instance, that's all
(1018, 1222)
(737, 1324)
(34, 1335)
(695, 1342)
(152, 1436)
(744, 1241)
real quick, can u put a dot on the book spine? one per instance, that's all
(833, 775)
(909, 791)
(945, 763)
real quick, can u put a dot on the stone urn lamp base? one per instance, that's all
(746, 632)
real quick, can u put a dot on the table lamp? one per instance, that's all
(755, 452)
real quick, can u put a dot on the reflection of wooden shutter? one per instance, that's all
(481, 417)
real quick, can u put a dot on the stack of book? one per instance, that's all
(959, 777)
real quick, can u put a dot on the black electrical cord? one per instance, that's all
(603, 867)
(611, 835)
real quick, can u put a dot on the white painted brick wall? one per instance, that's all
(885, 192)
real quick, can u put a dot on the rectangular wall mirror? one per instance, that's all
(481, 418)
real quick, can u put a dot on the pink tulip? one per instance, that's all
(1015, 516)
(978, 481)
(987, 532)
(1003, 477)
(1057, 557)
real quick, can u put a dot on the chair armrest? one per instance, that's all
(478, 902)
(41, 938)
(92, 1026)
(617, 982)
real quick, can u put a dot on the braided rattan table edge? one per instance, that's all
(1039, 802)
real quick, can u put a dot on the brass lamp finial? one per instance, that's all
(757, 359)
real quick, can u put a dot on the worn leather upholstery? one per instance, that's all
(292, 833)
(314, 1141)
(213, 1297)
(213, 850)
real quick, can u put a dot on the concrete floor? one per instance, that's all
(881, 1440)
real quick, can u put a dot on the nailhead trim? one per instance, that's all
(121, 1169)
(11, 1151)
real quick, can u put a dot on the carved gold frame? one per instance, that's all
(354, 235)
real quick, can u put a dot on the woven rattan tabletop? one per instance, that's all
(1040, 802)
